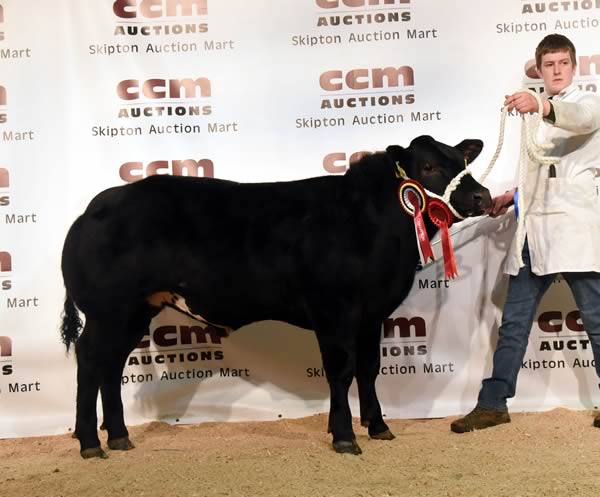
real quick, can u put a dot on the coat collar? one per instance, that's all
(564, 92)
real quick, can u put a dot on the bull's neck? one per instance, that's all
(375, 182)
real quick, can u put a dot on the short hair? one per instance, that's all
(554, 43)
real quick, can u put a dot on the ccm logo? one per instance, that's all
(129, 89)
(334, 4)
(404, 328)
(6, 351)
(584, 66)
(170, 336)
(134, 171)
(5, 262)
(552, 321)
(363, 79)
(4, 183)
(3, 117)
(129, 9)
(5, 347)
(337, 162)
(4, 178)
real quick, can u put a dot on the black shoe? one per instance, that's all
(597, 420)
(479, 419)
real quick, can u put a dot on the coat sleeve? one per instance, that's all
(581, 117)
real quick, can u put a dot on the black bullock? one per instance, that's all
(333, 254)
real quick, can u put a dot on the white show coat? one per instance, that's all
(562, 214)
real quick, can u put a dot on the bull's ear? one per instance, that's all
(398, 153)
(469, 149)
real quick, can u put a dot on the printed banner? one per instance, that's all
(104, 93)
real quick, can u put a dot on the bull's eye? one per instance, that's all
(427, 167)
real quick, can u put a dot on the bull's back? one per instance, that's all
(174, 203)
(229, 238)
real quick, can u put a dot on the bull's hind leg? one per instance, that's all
(123, 342)
(368, 361)
(88, 383)
(112, 405)
(338, 357)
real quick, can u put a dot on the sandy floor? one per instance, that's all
(543, 454)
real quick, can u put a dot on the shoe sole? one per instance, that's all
(460, 429)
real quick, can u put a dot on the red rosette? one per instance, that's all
(442, 217)
(414, 201)
(440, 213)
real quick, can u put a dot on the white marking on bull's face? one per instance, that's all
(171, 299)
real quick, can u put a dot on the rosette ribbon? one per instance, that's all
(442, 217)
(414, 202)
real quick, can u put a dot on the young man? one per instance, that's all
(562, 222)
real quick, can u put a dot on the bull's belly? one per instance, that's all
(178, 302)
(175, 300)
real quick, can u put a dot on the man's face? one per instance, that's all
(557, 71)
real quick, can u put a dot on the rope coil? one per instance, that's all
(530, 149)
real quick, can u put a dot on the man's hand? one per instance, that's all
(501, 203)
(525, 102)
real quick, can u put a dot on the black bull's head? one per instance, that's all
(435, 164)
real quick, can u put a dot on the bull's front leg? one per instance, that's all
(338, 354)
(368, 362)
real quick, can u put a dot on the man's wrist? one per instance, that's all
(509, 197)
(545, 107)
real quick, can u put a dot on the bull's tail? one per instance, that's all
(71, 323)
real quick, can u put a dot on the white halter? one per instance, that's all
(453, 185)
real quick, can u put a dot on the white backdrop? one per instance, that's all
(273, 89)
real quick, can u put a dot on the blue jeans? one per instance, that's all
(525, 290)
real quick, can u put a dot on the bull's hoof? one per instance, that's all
(384, 435)
(122, 443)
(94, 452)
(346, 447)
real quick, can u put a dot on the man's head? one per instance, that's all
(556, 62)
